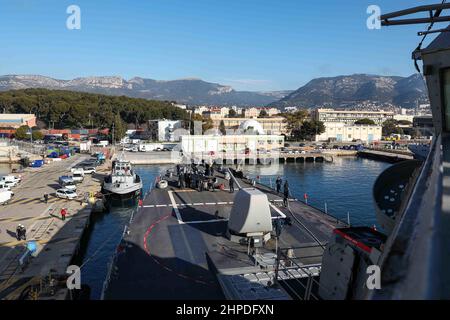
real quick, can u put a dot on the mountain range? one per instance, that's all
(187, 91)
(340, 91)
(351, 90)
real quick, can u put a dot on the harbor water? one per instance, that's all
(343, 188)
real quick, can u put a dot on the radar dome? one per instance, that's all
(252, 125)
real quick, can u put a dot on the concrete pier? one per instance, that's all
(169, 157)
(385, 155)
(57, 240)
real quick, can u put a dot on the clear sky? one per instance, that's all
(248, 44)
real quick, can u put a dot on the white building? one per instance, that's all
(404, 117)
(341, 132)
(240, 144)
(199, 110)
(349, 117)
(163, 130)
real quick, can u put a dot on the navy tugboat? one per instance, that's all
(123, 186)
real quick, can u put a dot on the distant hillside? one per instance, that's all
(188, 91)
(350, 90)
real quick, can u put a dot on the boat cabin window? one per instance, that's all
(445, 78)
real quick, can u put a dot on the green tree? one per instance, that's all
(232, 113)
(22, 133)
(207, 124)
(365, 121)
(222, 127)
(309, 129)
(119, 128)
(390, 126)
(263, 114)
(37, 135)
(404, 122)
(295, 121)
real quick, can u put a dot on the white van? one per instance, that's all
(10, 181)
(5, 187)
(5, 196)
(11, 178)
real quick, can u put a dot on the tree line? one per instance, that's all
(62, 109)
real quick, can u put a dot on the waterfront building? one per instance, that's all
(272, 125)
(163, 129)
(404, 117)
(256, 112)
(349, 117)
(16, 120)
(341, 132)
(216, 113)
(251, 113)
(239, 143)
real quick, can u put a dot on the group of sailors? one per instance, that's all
(193, 177)
(286, 191)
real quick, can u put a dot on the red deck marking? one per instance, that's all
(359, 244)
(146, 237)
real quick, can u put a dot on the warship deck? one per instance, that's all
(176, 247)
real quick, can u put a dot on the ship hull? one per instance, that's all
(128, 199)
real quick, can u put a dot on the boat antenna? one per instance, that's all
(434, 11)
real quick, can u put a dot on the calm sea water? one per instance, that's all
(344, 185)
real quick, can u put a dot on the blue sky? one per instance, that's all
(248, 44)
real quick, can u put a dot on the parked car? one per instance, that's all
(66, 194)
(78, 177)
(131, 149)
(89, 170)
(90, 163)
(67, 182)
(77, 169)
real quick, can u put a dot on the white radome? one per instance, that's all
(252, 125)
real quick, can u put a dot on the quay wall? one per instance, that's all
(58, 241)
